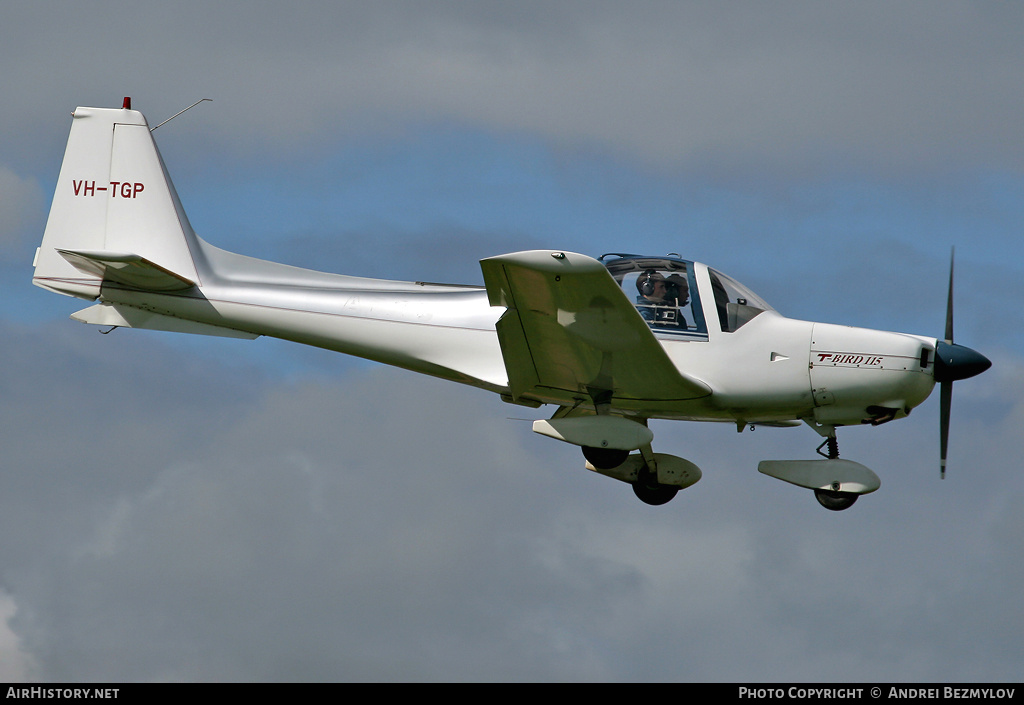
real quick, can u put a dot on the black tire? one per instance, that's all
(655, 496)
(605, 458)
(649, 491)
(835, 501)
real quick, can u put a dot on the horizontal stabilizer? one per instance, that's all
(127, 270)
(130, 317)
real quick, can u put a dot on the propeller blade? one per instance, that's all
(945, 388)
(952, 362)
(949, 299)
(945, 404)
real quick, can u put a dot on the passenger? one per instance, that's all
(661, 299)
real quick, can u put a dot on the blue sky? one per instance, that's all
(184, 508)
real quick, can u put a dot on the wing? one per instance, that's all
(569, 332)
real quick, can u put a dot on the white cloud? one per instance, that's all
(382, 526)
(16, 666)
(187, 513)
(908, 88)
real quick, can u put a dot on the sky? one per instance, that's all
(179, 508)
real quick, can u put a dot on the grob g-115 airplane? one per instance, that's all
(611, 342)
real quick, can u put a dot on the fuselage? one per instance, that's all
(762, 367)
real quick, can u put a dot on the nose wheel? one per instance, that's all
(833, 499)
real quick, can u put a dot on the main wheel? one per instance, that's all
(649, 491)
(605, 458)
(658, 495)
(835, 501)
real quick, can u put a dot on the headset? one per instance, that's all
(645, 282)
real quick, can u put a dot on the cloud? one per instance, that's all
(21, 202)
(173, 518)
(791, 87)
(15, 665)
(203, 509)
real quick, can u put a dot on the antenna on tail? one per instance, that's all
(129, 100)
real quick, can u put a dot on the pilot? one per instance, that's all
(661, 299)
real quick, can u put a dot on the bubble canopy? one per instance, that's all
(666, 293)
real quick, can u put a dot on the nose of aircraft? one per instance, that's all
(955, 362)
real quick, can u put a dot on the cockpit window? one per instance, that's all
(736, 305)
(664, 292)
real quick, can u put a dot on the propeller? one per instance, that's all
(952, 362)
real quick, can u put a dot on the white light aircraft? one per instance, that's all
(611, 343)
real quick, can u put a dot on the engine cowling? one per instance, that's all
(866, 376)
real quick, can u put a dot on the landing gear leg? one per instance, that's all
(832, 450)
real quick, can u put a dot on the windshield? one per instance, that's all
(664, 292)
(735, 303)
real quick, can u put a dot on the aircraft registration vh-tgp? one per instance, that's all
(611, 342)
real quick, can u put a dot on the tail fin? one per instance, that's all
(114, 212)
